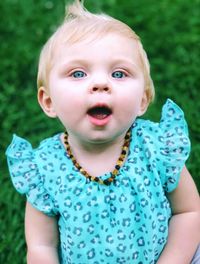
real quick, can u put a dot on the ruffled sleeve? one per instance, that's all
(26, 177)
(174, 145)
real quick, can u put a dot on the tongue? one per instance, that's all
(99, 116)
(99, 112)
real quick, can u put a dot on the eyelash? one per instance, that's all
(121, 74)
(79, 72)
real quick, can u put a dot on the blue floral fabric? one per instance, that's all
(126, 222)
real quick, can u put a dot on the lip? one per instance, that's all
(99, 114)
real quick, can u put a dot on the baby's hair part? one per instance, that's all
(81, 25)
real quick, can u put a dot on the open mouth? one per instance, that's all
(99, 112)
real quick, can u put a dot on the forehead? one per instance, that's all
(110, 46)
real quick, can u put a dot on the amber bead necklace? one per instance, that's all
(118, 165)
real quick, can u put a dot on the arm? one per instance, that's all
(184, 226)
(41, 237)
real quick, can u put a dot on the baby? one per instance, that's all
(113, 188)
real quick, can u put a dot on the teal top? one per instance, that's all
(126, 222)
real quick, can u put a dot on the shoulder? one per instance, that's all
(25, 167)
(172, 127)
(25, 160)
(21, 148)
(164, 144)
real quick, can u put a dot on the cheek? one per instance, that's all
(62, 96)
(131, 95)
(68, 106)
(129, 105)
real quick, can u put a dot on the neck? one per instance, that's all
(95, 148)
(97, 159)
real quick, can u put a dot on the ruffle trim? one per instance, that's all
(175, 146)
(26, 177)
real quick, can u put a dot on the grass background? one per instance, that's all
(170, 32)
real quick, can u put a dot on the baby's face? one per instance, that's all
(96, 88)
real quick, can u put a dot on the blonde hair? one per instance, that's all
(79, 24)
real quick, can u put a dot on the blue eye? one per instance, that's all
(78, 74)
(118, 74)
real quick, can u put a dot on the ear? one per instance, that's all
(144, 105)
(45, 102)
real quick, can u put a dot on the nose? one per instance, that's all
(100, 85)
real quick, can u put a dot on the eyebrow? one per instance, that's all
(125, 61)
(120, 61)
(73, 62)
